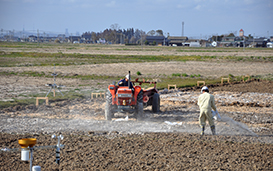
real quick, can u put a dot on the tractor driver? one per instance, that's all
(124, 82)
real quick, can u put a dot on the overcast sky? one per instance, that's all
(202, 18)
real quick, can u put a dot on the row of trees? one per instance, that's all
(116, 35)
(219, 38)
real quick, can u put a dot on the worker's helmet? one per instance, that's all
(127, 76)
(205, 88)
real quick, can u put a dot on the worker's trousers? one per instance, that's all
(205, 115)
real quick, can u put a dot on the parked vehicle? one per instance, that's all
(269, 45)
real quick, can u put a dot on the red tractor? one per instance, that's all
(126, 99)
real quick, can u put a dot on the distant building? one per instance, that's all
(241, 33)
(74, 38)
(32, 38)
(101, 41)
(258, 42)
(66, 33)
(177, 40)
(230, 41)
(159, 40)
(86, 38)
(49, 39)
(192, 43)
(271, 38)
(61, 37)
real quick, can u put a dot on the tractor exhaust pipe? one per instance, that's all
(129, 80)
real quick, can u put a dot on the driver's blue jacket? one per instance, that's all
(123, 82)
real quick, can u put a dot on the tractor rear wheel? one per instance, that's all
(139, 108)
(156, 103)
(108, 106)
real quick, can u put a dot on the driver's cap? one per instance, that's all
(127, 76)
(204, 88)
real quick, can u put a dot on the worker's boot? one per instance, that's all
(202, 129)
(212, 129)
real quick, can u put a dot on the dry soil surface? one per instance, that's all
(168, 140)
(13, 86)
(148, 151)
(155, 69)
(146, 50)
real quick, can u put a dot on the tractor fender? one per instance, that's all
(137, 90)
(112, 89)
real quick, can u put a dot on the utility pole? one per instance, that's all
(13, 34)
(44, 37)
(182, 28)
(164, 40)
(24, 33)
(9, 35)
(244, 43)
(1, 33)
(253, 40)
(38, 36)
(141, 41)
(124, 39)
(71, 38)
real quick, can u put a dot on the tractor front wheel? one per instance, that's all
(108, 106)
(140, 111)
(139, 108)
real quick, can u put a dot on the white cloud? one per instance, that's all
(180, 6)
(198, 1)
(69, 1)
(249, 2)
(197, 7)
(29, 1)
(111, 4)
(160, 1)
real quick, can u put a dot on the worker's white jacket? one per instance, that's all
(206, 102)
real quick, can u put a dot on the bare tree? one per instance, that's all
(115, 26)
(94, 36)
(151, 33)
(133, 39)
(159, 32)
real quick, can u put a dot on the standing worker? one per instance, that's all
(206, 103)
